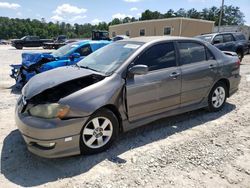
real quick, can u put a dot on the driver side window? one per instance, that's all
(84, 50)
(159, 56)
(218, 39)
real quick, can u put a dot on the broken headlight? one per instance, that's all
(49, 111)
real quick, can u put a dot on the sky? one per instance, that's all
(94, 11)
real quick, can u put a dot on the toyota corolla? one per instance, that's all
(84, 108)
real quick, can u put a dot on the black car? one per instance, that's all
(29, 41)
(57, 43)
(228, 41)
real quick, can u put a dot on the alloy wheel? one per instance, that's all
(218, 97)
(97, 132)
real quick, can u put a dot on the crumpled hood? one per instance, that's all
(29, 59)
(52, 78)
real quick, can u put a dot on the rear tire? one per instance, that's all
(240, 54)
(19, 47)
(99, 132)
(217, 97)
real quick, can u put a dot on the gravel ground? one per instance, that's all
(196, 149)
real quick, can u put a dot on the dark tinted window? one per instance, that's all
(158, 57)
(34, 38)
(228, 38)
(240, 36)
(167, 30)
(191, 52)
(84, 50)
(142, 32)
(27, 38)
(218, 39)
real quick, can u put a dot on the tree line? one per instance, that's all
(16, 28)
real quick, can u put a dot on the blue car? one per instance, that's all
(70, 54)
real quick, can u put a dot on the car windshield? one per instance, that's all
(207, 38)
(64, 50)
(107, 59)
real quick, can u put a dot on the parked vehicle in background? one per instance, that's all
(35, 63)
(129, 83)
(4, 42)
(29, 41)
(100, 35)
(57, 43)
(228, 41)
(62, 39)
(119, 37)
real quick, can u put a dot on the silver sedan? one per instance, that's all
(83, 108)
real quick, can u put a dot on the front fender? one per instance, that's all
(87, 100)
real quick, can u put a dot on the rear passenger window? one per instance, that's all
(158, 57)
(240, 36)
(228, 38)
(191, 52)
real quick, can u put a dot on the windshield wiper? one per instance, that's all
(86, 67)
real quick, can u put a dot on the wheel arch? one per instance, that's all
(226, 82)
(114, 109)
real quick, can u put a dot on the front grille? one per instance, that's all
(22, 104)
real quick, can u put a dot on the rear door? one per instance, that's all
(157, 91)
(229, 42)
(198, 70)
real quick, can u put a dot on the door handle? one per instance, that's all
(212, 66)
(174, 75)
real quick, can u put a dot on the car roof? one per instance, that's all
(82, 42)
(156, 39)
(224, 32)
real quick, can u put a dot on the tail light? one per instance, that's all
(238, 63)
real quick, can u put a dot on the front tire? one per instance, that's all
(99, 132)
(217, 97)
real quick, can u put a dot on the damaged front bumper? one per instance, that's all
(50, 138)
(21, 74)
(15, 70)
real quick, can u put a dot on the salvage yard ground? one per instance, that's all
(196, 149)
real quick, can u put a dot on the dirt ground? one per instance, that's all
(196, 149)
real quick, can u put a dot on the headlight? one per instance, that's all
(49, 111)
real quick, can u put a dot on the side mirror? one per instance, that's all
(74, 56)
(138, 70)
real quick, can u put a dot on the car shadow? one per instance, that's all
(23, 168)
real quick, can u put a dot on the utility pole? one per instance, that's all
(221, 14)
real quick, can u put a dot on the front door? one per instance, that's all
(157, 91)
(218, 42)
